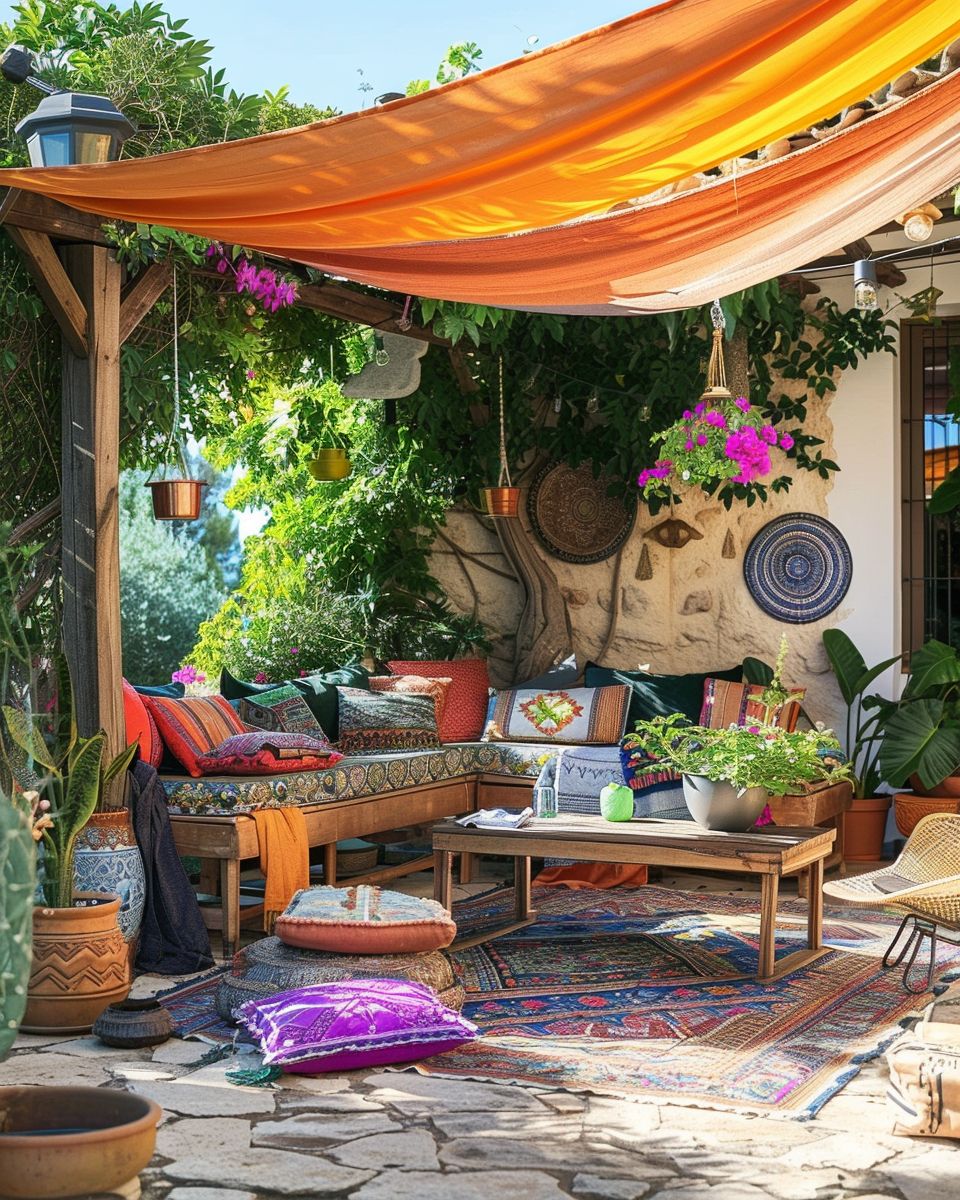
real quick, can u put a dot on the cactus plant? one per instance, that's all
(18, 856)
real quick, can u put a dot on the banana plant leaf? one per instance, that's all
(932, 667)
(920, 738)
(849, 666)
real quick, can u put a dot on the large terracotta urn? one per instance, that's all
(81, 964)
(108, 860)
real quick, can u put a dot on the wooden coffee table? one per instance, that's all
(769, 854)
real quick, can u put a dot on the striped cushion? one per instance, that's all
(726, 703)
(193, 726)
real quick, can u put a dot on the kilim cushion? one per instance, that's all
(364, 920)
(466, 707)
(193, 725)
(372, 723)
(141, 727)
(319, 691)
(726, 703)
(575, 716)
(659, 695)
(283, 709)
(415, 685)
(268, 966)
(268, 753)
(360, 1023)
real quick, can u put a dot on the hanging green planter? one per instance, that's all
(330, 463)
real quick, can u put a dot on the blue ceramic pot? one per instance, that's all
(108, 860)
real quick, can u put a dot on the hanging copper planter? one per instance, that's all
(330, 463)
(504, 499)
(176, 499)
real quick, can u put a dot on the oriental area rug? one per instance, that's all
(640, 992)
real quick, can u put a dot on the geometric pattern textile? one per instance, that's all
(193, 726)
(573, 715)
(798, 568)
(726, 704)
(466, 704)
(282, 710)
(414, 685)
(378, 722)
(644, 992)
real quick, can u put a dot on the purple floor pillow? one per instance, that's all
(353, 1024)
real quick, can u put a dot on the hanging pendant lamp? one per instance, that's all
(504, 499)
(176, 499)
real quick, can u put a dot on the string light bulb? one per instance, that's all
(918, 221)
(865, 296)
(380, 356)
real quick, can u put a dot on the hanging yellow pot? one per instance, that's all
(330, 463)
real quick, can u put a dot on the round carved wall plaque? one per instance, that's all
(574, 517)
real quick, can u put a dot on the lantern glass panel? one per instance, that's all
(93, 147)
(54, 149)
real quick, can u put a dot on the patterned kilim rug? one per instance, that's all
(641, 993)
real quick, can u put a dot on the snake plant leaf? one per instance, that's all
(919, 739)
(26, 735)
(931, 667)
(120, 764)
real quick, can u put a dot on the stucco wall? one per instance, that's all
(695, 612)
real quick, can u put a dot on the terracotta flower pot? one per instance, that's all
(176, 499)
(108, 860)
(864, 823)
(73, 1141)
(909, 810)
(80, 965)
(331, 463)
(501, 501)
(946, 787)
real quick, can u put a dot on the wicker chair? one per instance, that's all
(924, 884)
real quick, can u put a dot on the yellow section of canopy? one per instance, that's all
(560, 134)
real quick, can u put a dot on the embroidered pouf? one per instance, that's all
(364, 920)
(267, 967)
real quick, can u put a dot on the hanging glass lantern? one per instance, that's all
(504, 499)
(865, 296)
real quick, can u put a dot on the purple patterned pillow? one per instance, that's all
(353, 1024)
(263, 753)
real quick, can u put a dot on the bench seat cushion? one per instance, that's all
(350, 779)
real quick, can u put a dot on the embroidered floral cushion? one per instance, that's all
(364, 920)
(283, 710)
(372, 722)
(141, 727)
(466, 706)
(193, 726)
(345, 1026)
(726, 703)
(415, 685)
(573, 716)
(268, 753)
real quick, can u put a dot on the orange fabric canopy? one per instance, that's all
(563, 133)
(691, 247)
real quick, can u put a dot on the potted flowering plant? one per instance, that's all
(729, 774)
(721, 438)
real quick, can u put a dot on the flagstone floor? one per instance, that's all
(403, 1136)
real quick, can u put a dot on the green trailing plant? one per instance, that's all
(863, 729)
(921, 731)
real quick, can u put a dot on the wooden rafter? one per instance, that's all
(139, 297)
(54, 285)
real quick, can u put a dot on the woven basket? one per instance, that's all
(908, 809)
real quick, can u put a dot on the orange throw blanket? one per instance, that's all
(284, 858)
(593, 875)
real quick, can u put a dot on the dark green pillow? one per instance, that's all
(659, 695)
(171, 690)
(319, 691)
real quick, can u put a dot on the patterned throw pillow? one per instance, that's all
(378, 723)
(364, 920)
(283, 710)
(359, 1023)
(415, 685)
(659, 695)
(141, 727)
(466, 707)
(726, 703)
(319, 691)
(571, 716)
(193, 726)
(266, 753)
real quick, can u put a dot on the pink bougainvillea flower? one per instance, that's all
(701, 439)
(261, 677)
(688, 444)
(786, 442)
(251, 374)
(769, 435)
(716, 418)
(687, 414)
(700, 408)
(742, 403)
(294, 649)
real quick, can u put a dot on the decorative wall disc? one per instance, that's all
(574, 517)
(798, 568)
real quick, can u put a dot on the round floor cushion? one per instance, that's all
(268, 967)
(364, 920)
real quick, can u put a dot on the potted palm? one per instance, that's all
(729, 774)
(865, 821)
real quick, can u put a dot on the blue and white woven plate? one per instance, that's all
(798, 568)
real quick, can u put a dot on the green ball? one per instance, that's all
(616, 802)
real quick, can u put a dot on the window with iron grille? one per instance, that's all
(930, 449)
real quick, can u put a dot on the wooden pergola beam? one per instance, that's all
(28, 210)
(139, 297)
(338, 301)
(54, 285)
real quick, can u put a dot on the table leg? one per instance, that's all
(466, 867)
(770, 887)
(330, 864)
(815, 905)
(230, 902)
(443, 878)
(521, 888)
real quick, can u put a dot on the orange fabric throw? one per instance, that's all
(553, 136)
(692, 247)
(593, 875)
(284, 858)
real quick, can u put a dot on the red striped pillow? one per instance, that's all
(193, 726)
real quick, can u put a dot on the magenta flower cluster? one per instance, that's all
(264, 285)
(660, 470)
(187, 675)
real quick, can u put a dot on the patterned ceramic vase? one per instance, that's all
(108, 860)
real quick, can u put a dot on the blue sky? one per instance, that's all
(318, 46)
